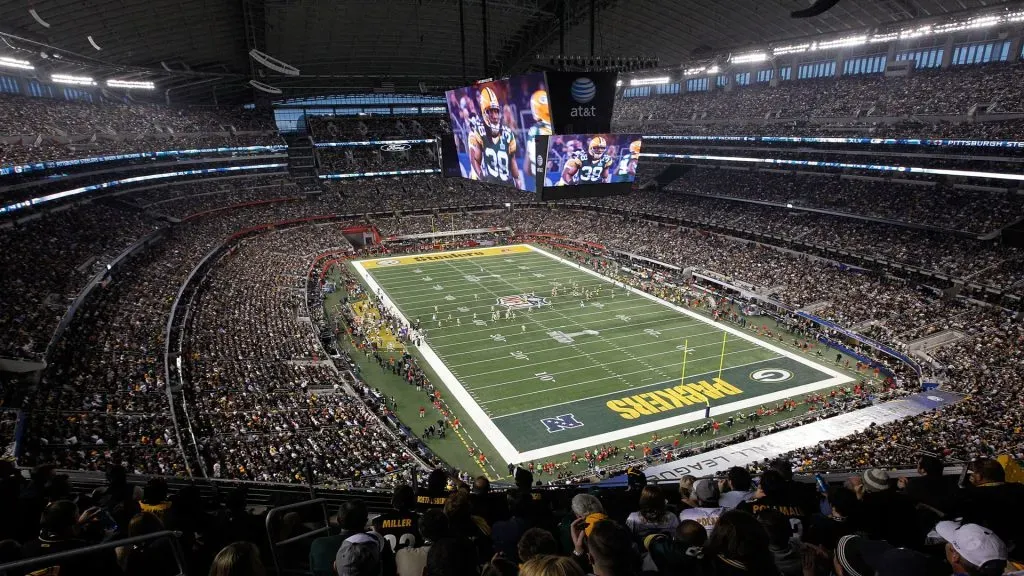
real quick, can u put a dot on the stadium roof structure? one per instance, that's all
(200, 48)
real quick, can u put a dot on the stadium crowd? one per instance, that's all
(375, 159)
(912, 201)
(357, 128)
(920, 94)
(27, 151)
(760, 522)
(267, 405)
(20, 115)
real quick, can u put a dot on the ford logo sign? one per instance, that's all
(395, 147)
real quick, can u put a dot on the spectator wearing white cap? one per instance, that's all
(707, 511)
(972, 549)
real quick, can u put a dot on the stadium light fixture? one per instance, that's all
(695, 71)
(841, 43)
(791, 49)
(618, 83)
(748, 58)
(649, 81)
(6, 62)
(714, 69)
(131, 84)
(75, 80)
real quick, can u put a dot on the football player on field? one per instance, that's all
(493, 146)
(590, 167)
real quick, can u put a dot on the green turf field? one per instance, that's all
(566, 375)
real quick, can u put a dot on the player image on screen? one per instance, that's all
(626, 169)
(494, 125)
(541, 127)
(581, 159)
(492, 145)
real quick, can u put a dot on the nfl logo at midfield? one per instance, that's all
(521, 301)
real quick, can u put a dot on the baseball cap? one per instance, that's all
(976, 544)
(359, 555)
(706, 490)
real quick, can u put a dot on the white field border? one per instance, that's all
(505, 448)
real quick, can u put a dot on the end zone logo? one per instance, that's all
(520, 301)
(771, 375)
(388, 262)
(559, 423)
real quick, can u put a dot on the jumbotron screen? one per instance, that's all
(583, 159)
(495, 125)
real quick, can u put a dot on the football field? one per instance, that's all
(568, 373)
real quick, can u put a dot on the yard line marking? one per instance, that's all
(647, 369)
(442, 346)
(624, 390)
(551, 349)
(589, 356)
(532, 316)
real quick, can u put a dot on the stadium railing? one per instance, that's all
(179, 557)
(304, 537)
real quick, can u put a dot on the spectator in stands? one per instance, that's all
(686, 497)
(993, 503)
(399, 526)
(462, 524)
(688, 535)
(704, 505)
(483, 505)
(507, 533)
(149, 558)
(550, 565)
(652, 516)
(889, 514)
(606, 547)
(57, 533)
(154, 499)
(584, 507)
(352, 516)
(929, 488)
(773, 492)
(411, 560)
(785, 546)
(363, 554)
(735, 488)
(117, 491)
(843, 518)
(738, 546)
(536, 542)
(448, 557)
(238, 559)
(972, 549)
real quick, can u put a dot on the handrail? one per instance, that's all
(276, 511)
(179, 558)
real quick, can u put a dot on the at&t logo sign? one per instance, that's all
(583, 90)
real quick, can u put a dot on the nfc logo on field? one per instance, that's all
(559, 423)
